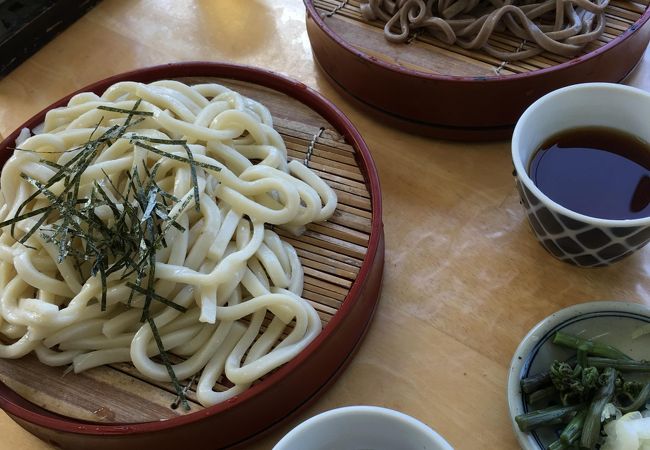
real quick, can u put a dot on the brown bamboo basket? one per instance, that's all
(446, 91)
(115, 407)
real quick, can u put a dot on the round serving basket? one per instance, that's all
(444, 91)
(114, 407)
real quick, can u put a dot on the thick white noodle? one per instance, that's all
(226, 268)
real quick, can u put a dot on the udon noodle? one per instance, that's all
(217, 181)
(563, 27)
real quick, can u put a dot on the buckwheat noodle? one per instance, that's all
(223, 265)
(563, 27)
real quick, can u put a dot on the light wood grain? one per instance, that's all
(464, 278)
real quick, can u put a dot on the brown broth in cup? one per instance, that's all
(596, 171)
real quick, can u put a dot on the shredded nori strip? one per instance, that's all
(170, 370)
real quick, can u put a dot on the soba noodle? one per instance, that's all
(563, 27)
(217, 173)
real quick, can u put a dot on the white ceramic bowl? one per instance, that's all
(362, 428)
(610, 322)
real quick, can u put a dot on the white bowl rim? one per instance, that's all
(367, 410)
(522, 173)
(533, 337)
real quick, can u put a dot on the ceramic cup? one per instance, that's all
(362, 428)
(570, 236)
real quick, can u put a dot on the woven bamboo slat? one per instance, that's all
(429, 55)
(331, 254)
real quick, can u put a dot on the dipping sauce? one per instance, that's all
(596, 171)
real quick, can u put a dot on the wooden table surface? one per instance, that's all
(464, 278)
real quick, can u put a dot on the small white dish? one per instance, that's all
(362, 428)
(610, 322)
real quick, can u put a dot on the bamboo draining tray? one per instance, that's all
(342, 261)
(448, 91)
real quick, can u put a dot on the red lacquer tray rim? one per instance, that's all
(316, 17)
(313, 100)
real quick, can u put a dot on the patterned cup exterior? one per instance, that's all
(577, 242)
